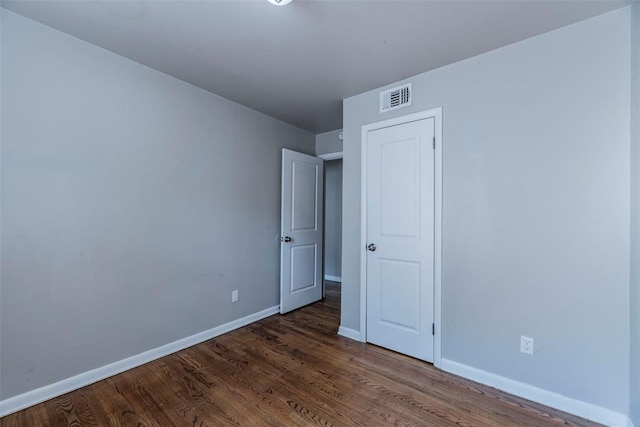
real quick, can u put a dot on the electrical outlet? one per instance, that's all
(234, 296)
(526, 345)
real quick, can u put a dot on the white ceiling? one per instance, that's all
(297, 62)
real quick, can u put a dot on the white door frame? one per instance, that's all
(436, 114)
(331, 156)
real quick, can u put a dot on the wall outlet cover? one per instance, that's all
(526, 345)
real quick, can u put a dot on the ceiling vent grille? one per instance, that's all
(395, 98)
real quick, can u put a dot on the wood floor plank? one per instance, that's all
(291, 370)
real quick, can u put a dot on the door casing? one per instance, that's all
(436, 114)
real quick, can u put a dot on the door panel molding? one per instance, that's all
(436, 114)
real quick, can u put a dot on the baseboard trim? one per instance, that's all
(39, 395)
(333, 278)
(350, 333)
(538, 395)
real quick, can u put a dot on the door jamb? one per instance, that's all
(436, 114)
(331, 156)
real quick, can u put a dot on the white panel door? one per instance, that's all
(301, 230)
(400, 238)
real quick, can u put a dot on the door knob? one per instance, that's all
(286, 239)
(371, 247)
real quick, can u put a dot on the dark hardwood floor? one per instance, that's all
(288, 370)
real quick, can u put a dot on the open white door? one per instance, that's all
(400, 237)
(301, 230)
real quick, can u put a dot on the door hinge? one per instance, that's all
(434, 142)
(433, 329)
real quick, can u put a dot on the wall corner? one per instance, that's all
(634, 392)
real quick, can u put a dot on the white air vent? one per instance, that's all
(395, 98)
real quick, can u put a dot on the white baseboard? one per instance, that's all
(576, 407)
(350, 333)
(33, 397)
(333, 278)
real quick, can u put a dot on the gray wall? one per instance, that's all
(333, 218)
(328, 142)
(536, 208)
(635, 215)
(132, 205)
